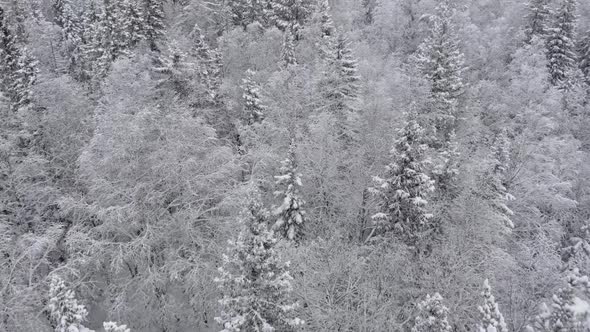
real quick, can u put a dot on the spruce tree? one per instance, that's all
(441, 62)
(432, 316)
(64, 310)
(402, 192)
(208, 66)
(253, 107)
(254, 282)
(246, 12)
(561, 52)
(340, 90)
(446, 168)
(492, 319)
(18, 69)
(584, 52)
(290, 214)
(325, 19)
(495, 191)
(288, 49)
(291, 14)
(537, 20)
(154, 22)
(133, 23)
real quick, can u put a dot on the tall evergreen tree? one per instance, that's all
(584, 52)
(253, 107)
(432, 316)
(441, 61)
(255, 283)
(291, 14)
(492, 319)
(561, 52)
(245, 12)
(64, 309)
(209, 64)
(402, 193)
(325, 18)
(340, 90)
(154, 22)
(537, 20)
(290, 214)
(18, 69)
(288, 50)
(133, 23)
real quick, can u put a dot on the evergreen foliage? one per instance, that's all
(432, 315)
(492, 319)
(254, 109)
(538, 19)
(561, 51)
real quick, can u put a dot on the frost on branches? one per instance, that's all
(537, 18)
(402, 192)
(570, 310)
(492, 319)
(432, 316)
(290, 216)
(65, 312)
(254, 282)
(496, 193)
(114, 327)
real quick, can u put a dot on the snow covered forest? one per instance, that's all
(295, 165)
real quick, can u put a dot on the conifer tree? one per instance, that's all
(246, 12)
(173, 72)
(253, 107)
(584, 52)
(254, 282)
(64, 309)
(560, 46)
(114, 327)
(402, 192)
(537, 20)
(290, 214)
(18, 69)
(492, 319)
(327, 25)
(447, 167)
(496, 192)
(432, 316)
(154, 22)
(133, 23)
(208, 65)
(340, 87)
(441, 62)
(288, 49)
(291, 14)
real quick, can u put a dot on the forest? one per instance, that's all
(295, 165)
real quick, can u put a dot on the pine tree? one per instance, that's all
(539, 15)
(441, 62)
(133, 25)
(64, 309)
(325, 19)
(71, 37)
(173, 72)
(432, 316)
(255, 284)
(253, 107)
(560, 46)
(114, 327)
(340, 87)
(492, 319)
(446, 170)
(154, 22)
(18, 69)
(290, 214)
(402, 193)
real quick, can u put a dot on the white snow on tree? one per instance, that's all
(441, 61)
(290, 14)
(446, 167)
(492, 319)
(537, 20)
(154, 22)
(432, 316)
(584, 52)
(402, 192)
(325, 19)
(560, 46)
(569, 311)
(497, 194)
(254, 282)
(290, 214)
(114, 327)
(254, 109)
(340, 90)
(246, 12)
(66, 313)
(208, 64)
(288, 50)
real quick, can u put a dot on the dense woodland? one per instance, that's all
(295, 165)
